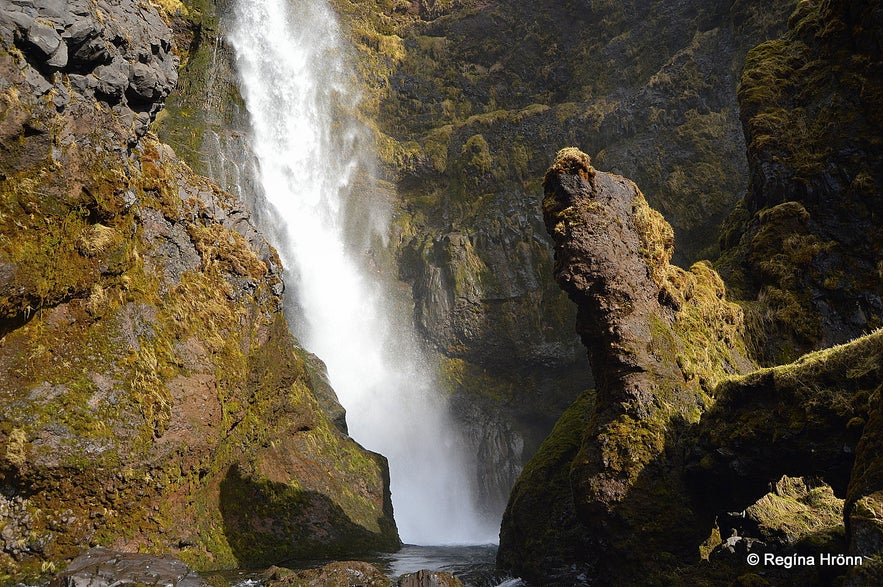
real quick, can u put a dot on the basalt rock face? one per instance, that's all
(152, 397)
(466, 121)
(205, 119)
(117, 52)
(805, 244)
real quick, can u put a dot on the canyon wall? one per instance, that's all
(152, 395)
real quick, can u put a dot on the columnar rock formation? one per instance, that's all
(659, 338)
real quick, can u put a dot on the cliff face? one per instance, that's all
(806, 242)
(471, 99)
(803, 248)
(465, 122)
(152, 396)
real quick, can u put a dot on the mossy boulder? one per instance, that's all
(805, 413)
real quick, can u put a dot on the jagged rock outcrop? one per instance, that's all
(811, 414)
(818, 417)
(805, 244)
(677, 434)
(427, 578)
(119, 53)
(355, 574)
(659, 338)
(152, 397)
(336, 574)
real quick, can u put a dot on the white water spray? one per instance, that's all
(297, 89)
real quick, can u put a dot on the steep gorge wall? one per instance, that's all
(802, 248)
(470, 101)
(805, 245)
(152, 396)
(465, 122)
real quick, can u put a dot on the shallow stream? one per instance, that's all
(474, 565)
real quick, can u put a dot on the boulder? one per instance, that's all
(427, 578)
(336, 574)
(102, 567)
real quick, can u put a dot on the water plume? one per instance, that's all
(315, 162)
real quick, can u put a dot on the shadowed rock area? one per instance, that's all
(635, 477)
(804, 248)
(658, 338)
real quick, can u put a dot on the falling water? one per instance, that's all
(298, 89)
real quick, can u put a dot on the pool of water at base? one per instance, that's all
(474, 565)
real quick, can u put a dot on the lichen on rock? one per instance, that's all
(153, 398)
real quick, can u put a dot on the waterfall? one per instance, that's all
(314, 157)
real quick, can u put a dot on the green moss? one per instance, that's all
(540, 529)
(476, 155)
(795, 510)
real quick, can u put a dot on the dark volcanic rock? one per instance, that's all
(658, 338)
(100, 567)
(805, 418)
(425, 578)
(677, 439)
(108, 46)
(806, 243)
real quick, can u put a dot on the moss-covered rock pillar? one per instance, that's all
(657, 337)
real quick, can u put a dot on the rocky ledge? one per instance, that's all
(119, 53)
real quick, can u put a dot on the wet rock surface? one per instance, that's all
(101, 567)
(427, 578)
(355, 574)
